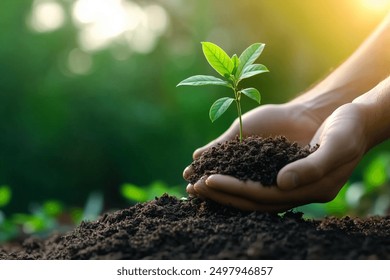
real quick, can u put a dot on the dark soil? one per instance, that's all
(167, 228)
(255, 158)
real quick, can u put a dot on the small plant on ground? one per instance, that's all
(233, 70)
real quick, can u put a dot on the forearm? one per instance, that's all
(365, 68)
(376, 107)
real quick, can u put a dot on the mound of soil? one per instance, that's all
(255, 158)
(167, 228)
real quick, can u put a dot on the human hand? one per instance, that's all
(293, 121)
(343, 141)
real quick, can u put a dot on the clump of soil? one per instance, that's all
(167, 228)
(255, 158)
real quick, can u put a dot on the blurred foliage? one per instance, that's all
(5, 195)
(52, 216)
(43, 219)
(48, 217)
(135, 193)
(87, 87)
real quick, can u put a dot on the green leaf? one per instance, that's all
(376, 172)
(218, 59)
(202, 80)
(252, 93)
(249, 56)
(219, 107)
(252, 70)
(134, 193)
(5, 195)
(236, 62)
(52, 208)
(338, 206)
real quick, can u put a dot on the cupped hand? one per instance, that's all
(293, 121)
(343, 141)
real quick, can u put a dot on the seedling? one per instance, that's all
(233, 70)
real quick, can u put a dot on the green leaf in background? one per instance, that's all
(249, 56)
(252, 93)
(76, 215)
(30, 223)
(203, 80)
(157, 188)
(377, 172)
(218, 59)
(219, 107)
(134, 193)
(338, 206)
(5, 195)
(252, 70)
(52, 208)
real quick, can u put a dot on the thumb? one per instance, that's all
(335, 150)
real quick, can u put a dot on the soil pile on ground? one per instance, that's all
(167, 228)
(255, 158)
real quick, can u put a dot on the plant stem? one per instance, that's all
(237, 95)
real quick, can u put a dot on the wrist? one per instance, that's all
(375, 105)
(322, 100)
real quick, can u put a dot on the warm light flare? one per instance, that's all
(376, 5)
(46, 16)
(103, 21)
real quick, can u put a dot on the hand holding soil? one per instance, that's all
(344, 138)
(346, 115)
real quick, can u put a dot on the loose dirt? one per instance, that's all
(255, 158)
(168, 228)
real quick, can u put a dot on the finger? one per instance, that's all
(192, 192)
(188, 171)
(190, 189)
(254, 191)
(238, 202)
(326, 188)
(332, 153)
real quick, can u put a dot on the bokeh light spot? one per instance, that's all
(79, 62)
(102, 22)
(46, 16)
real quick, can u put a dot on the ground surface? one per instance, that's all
(167, 228)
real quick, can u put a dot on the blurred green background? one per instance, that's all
(88, 99)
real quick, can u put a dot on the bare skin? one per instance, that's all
(353, 100)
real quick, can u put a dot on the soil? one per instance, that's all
(255, 158)
(168, 228)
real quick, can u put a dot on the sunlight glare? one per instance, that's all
(157, 18)
(46, 16)
(103, 21)
(108, 16)
(375, 5)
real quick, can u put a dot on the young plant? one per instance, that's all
(233, 70)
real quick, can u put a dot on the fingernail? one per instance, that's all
(196, 153)
(199, 185)
(186, 172)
